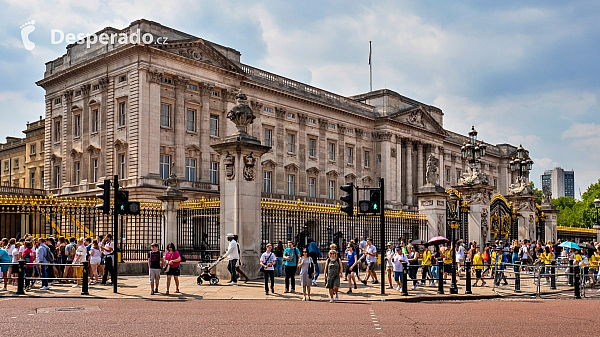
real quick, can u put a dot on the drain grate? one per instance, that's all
(66, 309)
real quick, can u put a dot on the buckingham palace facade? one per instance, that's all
(146, 111)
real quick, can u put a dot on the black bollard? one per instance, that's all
(404, 279)
(21, 278)
(468, 275)
(571, 273)
(553, 275)
(84, 282)
(517, 281)
(440, 277)
(577, 282)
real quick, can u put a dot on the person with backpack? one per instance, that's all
(315, 253)
(307, 269)
(268, 260)
(290, 255)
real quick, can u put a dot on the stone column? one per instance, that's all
(241, 188)
(171, 198)
(399, 171)
(179, 125)
(525, 206)
(420, 171)
(432, 202)
(478, 197)
(551, 214)
(441, 165)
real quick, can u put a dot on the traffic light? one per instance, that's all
(125, 206)
(375, 199)
(373, 205)
(105, 196)
(348, 199)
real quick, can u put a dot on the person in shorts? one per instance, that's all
(156, 261)
(351, 268)
(173, 259)
(371, 255)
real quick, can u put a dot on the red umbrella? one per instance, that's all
(436, 240)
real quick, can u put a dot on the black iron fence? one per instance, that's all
(78, 217)
(325, 224)
(198, 227)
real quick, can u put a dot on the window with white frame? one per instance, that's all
(291, 184)
(291, 143)
(447, 175)
(268, 139)
(77, 173)
(165, 115)
(77, 126)
(331, 151)
(350, 155)
(367, 159)
(6, 165)
(192, 87)
(312, 187)
(122, 166)
(95, 170)
(190, 169)
(16, 163)
(57, 101)
(312, 147)
(331, 126)
(214, 173)
(122, 117)
(332, 189)
(122, 78)
(290, 115)
(214, 125)
(269, 110)
(191, 120)
(165, 166)
(32, 149)
(42, 147)
(267, 181)
(57, 131)
(312, 121)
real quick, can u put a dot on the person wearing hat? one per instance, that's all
(389, 265)
(232, 253)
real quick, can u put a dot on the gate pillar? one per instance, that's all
(432, 203)
(240, 187)
(478, 197)
(171, 198)
(525, 206)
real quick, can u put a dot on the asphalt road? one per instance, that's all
(132, 317)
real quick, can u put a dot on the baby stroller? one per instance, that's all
(206, 275)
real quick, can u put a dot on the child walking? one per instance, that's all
(156, 262)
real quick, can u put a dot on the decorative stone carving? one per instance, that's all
(85, 90)
(323, 123)
(194, 54)
(302, 118)
(173, 189)
(229, 162)
(473, 177)
(332, 174)
(526, 205)
(341, 129)
(359, 132)
(280, 112)
(103, 81)
(249, 163)
(120, 145)
(485, 228)
(67, 95)
(180, 82)
(546, 195)
(75, 154)
(427, 203)
(393, 153)
(432, 176)
(93, 150)
(154, 75)
(256, 106)
(384, 136)
(231, 95)
(531, 226)
(241, 115)
(440, 224)
(416, 118)
(313, 171)
(350, 178)
(268, 164)
(520, 188)
(477, 197)
(205, 88)
(292, 168)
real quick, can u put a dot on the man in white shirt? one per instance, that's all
(371, 255)
(108, 251)
(232, 253)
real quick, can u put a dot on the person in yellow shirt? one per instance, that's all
(595, 264)
(546, 258)
(426, 265)
(447, 261)
(478, 266)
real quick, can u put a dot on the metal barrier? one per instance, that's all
(22, 271)
(591, 283)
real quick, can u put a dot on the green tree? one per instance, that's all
(537, 192)
(574, 213)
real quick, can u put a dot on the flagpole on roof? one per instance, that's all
(370, 70)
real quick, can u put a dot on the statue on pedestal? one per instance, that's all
(520, 188)
(432, 175)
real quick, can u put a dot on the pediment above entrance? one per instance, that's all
(418, 118)
(200, 51)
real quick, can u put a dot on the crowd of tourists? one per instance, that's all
(49, 260)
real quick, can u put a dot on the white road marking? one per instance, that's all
(374, 319)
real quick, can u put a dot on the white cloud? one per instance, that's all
(579, 130)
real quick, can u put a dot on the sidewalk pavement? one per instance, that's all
(139, 287)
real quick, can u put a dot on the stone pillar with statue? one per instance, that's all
(240, 187)
(432, 199)
(551, 214)
(477, 193)
(171, 198)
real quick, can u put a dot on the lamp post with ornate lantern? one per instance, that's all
(453, 209)
(473, 149)
(597, 206)
(522, 163)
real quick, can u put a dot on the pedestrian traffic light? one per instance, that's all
(122, 201)
(375, 199)
(348, 199)
(105, 196)
(373, 205)
(125, 206)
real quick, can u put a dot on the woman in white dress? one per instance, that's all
(305, 276)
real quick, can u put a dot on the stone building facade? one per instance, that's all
(22, 159)
(145, 111)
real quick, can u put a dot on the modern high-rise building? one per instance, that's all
(560, 182)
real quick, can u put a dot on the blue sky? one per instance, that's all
(520, 72)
